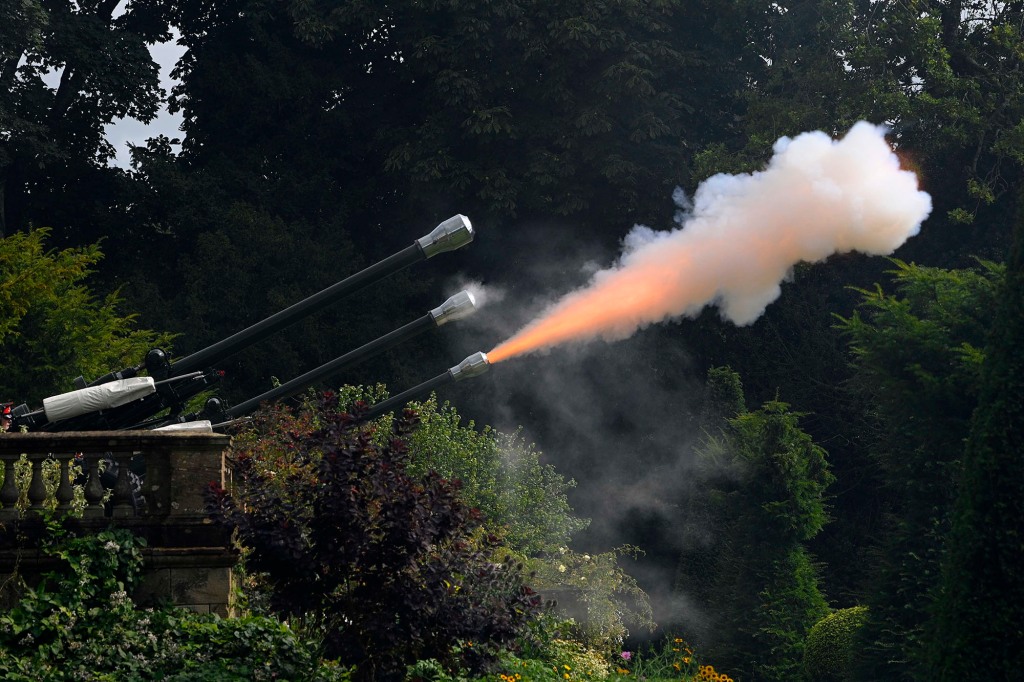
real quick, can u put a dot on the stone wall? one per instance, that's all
(188, 560)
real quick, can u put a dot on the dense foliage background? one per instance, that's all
(319, 137)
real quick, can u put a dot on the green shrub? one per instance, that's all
(601, 599)
(829, 650)
(764, 498)
(522, 499)
(81, 623)
(394, 565)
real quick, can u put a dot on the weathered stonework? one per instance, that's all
(187, 561)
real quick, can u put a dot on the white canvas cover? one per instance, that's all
(200, 425)
(94, 398)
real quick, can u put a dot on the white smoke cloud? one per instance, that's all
(742, 237)
(483, 294)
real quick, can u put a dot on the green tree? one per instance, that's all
(53, 327)
(951, 70)
(945, 75)
(321, 138)
(52, 139)
(765, 500)
(521, 107)
(978, 616)
(917, 357)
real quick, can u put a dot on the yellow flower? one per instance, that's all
(677, 640)
(567, 667)
(565, 675)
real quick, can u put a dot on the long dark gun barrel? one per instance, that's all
(456, 307)
(177, 382)
(475, 365)
(452, 234)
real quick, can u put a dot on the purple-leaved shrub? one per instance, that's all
(395, 565)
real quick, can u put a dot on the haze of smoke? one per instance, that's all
(482, 294)
(817, 197)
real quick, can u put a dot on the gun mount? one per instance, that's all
(123, 399)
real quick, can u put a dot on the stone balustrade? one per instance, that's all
(188, 560)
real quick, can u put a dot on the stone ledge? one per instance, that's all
(110, 441)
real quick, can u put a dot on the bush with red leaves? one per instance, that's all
(391, 563)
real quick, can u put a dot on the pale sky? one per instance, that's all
(129, 130)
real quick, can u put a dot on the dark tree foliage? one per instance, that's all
(917, 356)
(389, 561)
(323, 137)
(949, 74)
(67, 70)
(978, 633)
(945, 74)
(763, 500)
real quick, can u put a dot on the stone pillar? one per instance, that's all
(189, 559)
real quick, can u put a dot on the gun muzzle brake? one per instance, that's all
(450, 235)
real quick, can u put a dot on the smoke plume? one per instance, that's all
(743, 235)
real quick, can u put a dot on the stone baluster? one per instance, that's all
(65, 492)
(93, 492)
(37, 488)
(121, 499)
(9, 493)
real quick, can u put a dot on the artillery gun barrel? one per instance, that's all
(88, 409)
(474, 365)
(452, 234)
(458, 306)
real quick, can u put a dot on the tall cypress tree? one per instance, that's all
(762, 500)
(917, 355)
(979, 633)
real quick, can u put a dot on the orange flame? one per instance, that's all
(625, 296)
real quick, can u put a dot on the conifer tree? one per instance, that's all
(979, 632)
(764, 500)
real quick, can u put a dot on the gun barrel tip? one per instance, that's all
(457, 307)
(450, 235)
(474, 365)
